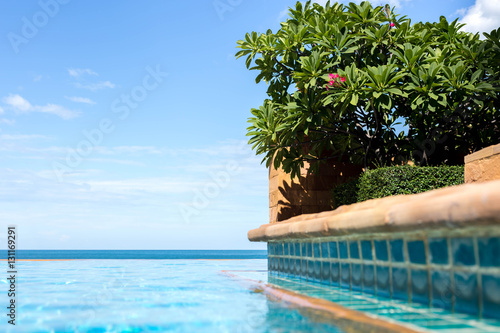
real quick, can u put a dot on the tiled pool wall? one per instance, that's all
(456, 270)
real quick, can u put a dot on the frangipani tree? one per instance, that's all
(340, 79)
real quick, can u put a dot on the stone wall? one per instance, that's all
(483, 165)
(306, 194)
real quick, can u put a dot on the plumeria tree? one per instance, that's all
(362, 82)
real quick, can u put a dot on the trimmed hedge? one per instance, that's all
(396, 180)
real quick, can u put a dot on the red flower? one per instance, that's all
(392, 24)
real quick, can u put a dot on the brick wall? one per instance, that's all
(306, 194)
(483, 165)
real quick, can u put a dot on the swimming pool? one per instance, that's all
(147, 296)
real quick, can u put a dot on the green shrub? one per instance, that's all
(347, 193)
(389, 181)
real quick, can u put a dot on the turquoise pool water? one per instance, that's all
(145, 296)
(415, 315)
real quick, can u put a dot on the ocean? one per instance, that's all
(138, 254)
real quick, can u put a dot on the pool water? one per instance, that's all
(416, 316)
(146, 296)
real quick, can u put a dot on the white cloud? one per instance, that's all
(80, 73)
(77, 72)
(80, 100)
(483, 16)
(95, 86)
(15, 137)
(1, 110)
(58, 110)
(7, 121)
(128, 150)
(20, 104)
(37, 78)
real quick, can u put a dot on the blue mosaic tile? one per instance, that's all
(381, 250)
(369, 278)
(354, 249)
(441, 289)
(269, 248)
(272, 261)
(397, 250)
(324, 250)
(316, 250)
(438, 248)
(280, 264)
(383, 281)
(310, 270)
(366, 250)
(291, 269)
(491, 296)
(286, 265)
(303, 247)
(297, 249)
(317, 270)
(345, 272)
(489, 251)
(292, 249)
(308, 249)
(343, 250)
(286, 247)
(399, 283)
(325, 272)
(466, 293)
(463, 251)
(297, 267)
(303, 268)
(419, 286)
(335, 274)
(333, 250)
(279, 247)
(438, 326)
(356, 276)
(416, 252)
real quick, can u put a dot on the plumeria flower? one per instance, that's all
(342, 79)
(392, 24)
(330, 75)
(331, 82)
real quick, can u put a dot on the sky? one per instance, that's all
(122, 123)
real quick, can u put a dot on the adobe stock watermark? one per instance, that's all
(256, 317)
(32, 25)
(224, 6)
(204, 195)
(92, 303)
(122, 107)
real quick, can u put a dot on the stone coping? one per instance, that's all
(464, 205)
(483, 153)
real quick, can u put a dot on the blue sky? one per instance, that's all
(122, 124)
